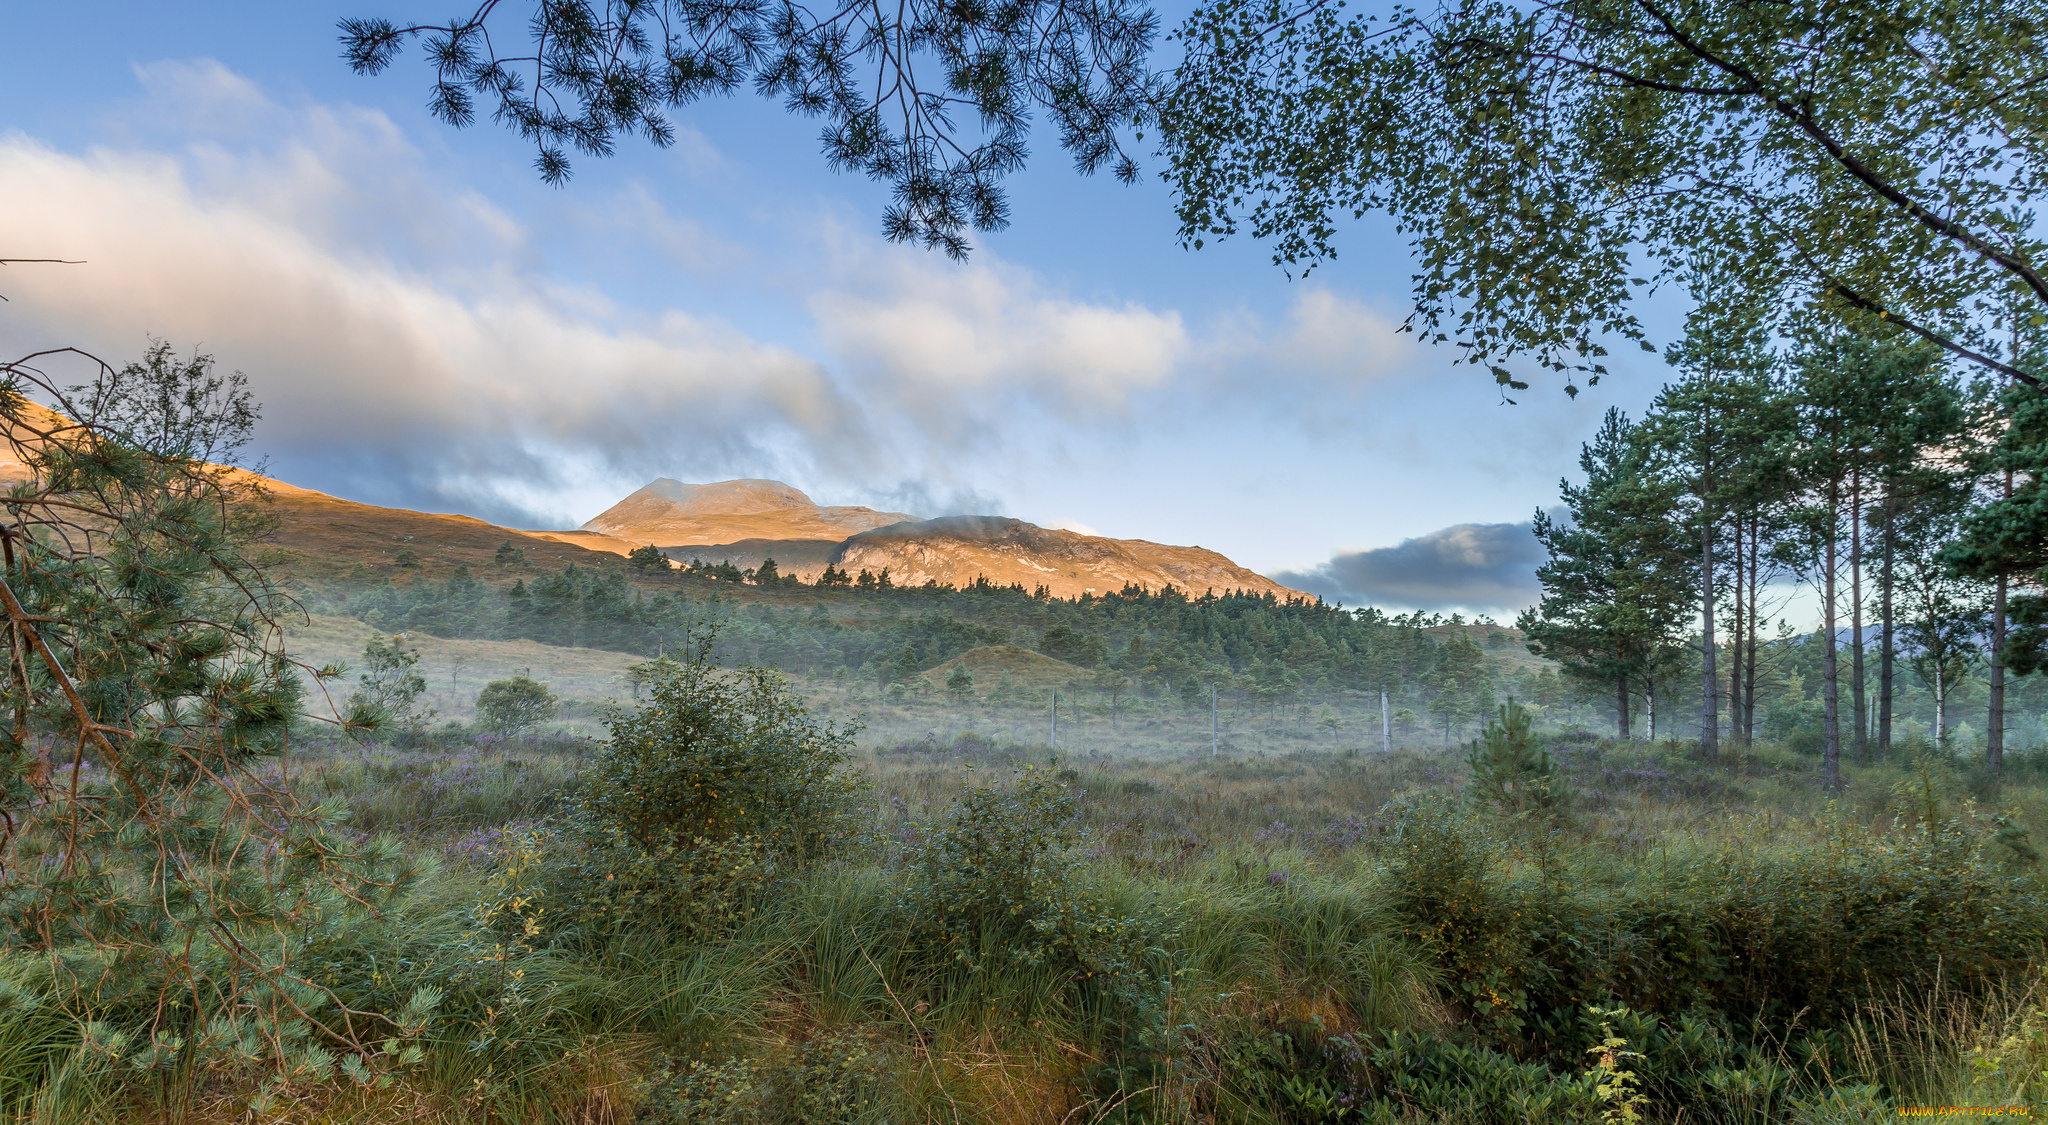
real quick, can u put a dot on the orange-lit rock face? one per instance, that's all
(668, 513)
(954, 550)
(748, 520)
(745, 521)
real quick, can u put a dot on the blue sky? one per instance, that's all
(430, 327)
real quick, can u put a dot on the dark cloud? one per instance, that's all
(1475, 566)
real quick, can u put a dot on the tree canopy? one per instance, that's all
(1553, 162)
(893, 84)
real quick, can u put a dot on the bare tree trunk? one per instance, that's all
(1994, 729)
(1621, 715)
(1755, 627)
(1830, 675)
(1737, 734)
(1710, 719)
(1940, 706)
(1887, 649)
(1862, 711)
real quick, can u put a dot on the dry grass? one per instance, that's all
(584, 678)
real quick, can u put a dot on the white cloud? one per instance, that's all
(938, 335)
(964, 342)
(410, 348)
(464, 392)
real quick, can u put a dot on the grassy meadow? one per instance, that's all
(1309, 934)
(1012, 700)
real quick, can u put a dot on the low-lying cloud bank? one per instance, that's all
(1488, 567)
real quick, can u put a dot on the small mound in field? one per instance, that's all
(1026, 668)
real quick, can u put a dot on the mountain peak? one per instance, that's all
(669, 513)
(745, 496)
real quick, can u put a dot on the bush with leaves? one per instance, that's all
(1778, 941)
(717, 786)
(1444, 878)
(695, 1092)
(515, 705)
(1001, 882)
(1862, 917)
(838, 1078)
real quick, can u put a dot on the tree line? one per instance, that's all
(1846, 460)
(1166, 643)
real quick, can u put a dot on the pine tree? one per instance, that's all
(1511, 771)
(152, 853)
(1945, 613)
(1616, 585)
(1707, 432)
(391, 685)
(1867, 405)
(645, 558)
(1463, 683)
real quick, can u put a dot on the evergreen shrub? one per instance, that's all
(1511, 771)
(716, 788)
(1445, 881)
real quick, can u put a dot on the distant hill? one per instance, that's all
(955, 550)
(669, 513)
(327, 537)
(1026, 669)
(331, 537)
(747, 521)
(743, 521)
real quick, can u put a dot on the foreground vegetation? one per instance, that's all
(969, 931)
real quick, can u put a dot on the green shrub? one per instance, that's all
(1784, 940)
(514, 705)
(836, 1079)
(1823, 929)
(695, 1092)
(1443, 880)
(390, 687)
(1405, 1076)
(1510, 771)
(1001, 885)
(708, 793)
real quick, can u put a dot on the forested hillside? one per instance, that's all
(1158, 649)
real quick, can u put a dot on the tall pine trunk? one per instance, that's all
(1886, 650)
(1755, 627)
(1830, 675)
(1621, 707)
(1710, 720)
(1861, 734)
(1940, 705)
(1994, 729)
(1737, 733)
